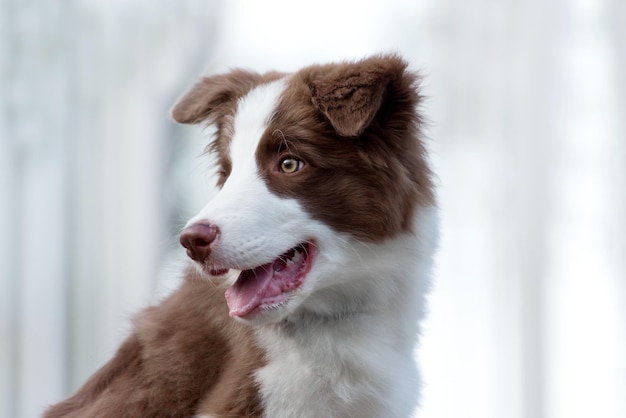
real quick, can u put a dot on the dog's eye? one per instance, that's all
(290, 165)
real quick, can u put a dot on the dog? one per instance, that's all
(309, 268)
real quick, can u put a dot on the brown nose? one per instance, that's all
(197, 239)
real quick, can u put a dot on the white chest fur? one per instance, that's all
(362, 364)
(349, 368)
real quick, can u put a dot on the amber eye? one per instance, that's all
(290, 165)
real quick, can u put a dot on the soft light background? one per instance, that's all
(528, 106)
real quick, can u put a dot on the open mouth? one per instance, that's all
(268, 286)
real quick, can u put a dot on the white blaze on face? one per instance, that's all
(255, 225)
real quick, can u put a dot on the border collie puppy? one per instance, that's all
(308, 269)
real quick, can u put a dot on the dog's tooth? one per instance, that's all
(296, 257)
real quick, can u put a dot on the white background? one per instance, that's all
(527, 103)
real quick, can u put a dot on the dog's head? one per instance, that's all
(316, 168)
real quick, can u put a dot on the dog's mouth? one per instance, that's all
(268, 286)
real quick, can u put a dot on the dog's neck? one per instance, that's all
(353, 349)
(346, 364)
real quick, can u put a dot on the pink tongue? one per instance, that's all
(268, 284)
(247, 293)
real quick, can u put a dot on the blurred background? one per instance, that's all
(527, 109)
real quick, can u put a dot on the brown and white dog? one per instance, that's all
(311, 263)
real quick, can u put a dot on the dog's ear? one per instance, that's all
(210, 97)
(349, 95)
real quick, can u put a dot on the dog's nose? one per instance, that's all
(197, 239)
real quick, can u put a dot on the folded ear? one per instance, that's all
(350, 94)
(210, 97)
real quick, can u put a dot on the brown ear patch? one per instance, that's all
(349, 95)
(213, 100)
(211, 97)
(368, 185)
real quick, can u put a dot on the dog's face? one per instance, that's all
(314, 167)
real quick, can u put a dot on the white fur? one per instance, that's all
(363, 364)
(255, 225)
(339, 346)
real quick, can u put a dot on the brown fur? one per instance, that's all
(213, 100)
(345, 121)
(348, 122)
(355, 127)
(184, 357)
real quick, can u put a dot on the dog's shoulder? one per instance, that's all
(183, 356)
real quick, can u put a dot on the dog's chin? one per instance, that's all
(268, 293)
(264, 317)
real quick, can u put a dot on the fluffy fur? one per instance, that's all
(321, 238)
